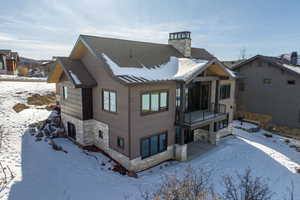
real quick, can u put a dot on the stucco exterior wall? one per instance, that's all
(277, 99)
(117, 122)
(151, 124)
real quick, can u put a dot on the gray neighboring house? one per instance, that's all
(270, 86)
(144, 103)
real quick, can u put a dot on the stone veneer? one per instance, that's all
(87, 133)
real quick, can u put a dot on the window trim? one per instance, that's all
(220, 91)
(149, 146)
(109, 91)
(159, 100)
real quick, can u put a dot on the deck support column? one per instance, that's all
(182, 111)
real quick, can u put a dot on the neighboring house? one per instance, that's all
(34, 68)
(144, 103)
(8, 62)
(232, 63)
(270, 86)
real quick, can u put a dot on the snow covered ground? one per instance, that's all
(42, 173)
(21, 78)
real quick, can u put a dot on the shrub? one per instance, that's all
(245, 188)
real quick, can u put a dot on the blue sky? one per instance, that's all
(45, 28)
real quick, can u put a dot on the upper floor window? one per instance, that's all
(109, 99)
(225, 91)
(154, 101)
(267, 81)
(65, 92)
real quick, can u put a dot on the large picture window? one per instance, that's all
(225, 91)
(154, 102)
(154, 145)
(109, 99)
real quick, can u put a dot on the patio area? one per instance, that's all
(198, 148)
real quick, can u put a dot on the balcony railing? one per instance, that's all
(193, 117)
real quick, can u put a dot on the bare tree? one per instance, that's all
(194, 185)
(246, 187)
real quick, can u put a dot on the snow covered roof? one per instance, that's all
(175, 69)
(76, 72)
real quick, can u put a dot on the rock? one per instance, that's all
(39, 100)
(19, 107)
(132, 174)
(287, 141)
(268, 135)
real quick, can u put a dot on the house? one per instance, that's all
(144, 103)
(269, 88)
(8, 62)
(34, 68)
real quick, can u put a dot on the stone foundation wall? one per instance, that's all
(139, 164)
(78, 126)
(87, 133)
(180, 152)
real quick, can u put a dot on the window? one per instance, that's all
(100, 134)
(109, 99)
(65, 92)
(154, 145)
(267, 81)
(154, 102)
(291, 82)
(177, 97)
(220, 125)
(225, 91)
(120, 142)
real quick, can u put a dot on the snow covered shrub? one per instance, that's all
(194, 185)
(246, 187)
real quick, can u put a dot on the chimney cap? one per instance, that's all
(180, 35)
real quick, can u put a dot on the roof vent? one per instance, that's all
(181, 41)
(294, 58)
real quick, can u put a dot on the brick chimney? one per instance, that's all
(294, 58)
(181, 41)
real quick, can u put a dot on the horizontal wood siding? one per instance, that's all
(73, 104)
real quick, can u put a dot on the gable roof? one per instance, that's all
(276, 61)
(75, 71)
(143, 62)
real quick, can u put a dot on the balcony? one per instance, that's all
(199, 117)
